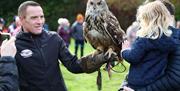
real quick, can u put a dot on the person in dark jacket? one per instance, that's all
(77, 34)
(148, 55)
(8, 68)
(171, 80)
(38, 53)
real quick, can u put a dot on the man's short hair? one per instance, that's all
(22, 8)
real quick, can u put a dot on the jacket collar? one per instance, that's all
(176, 32)
(29, 36)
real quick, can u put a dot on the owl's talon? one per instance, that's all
(110, 52)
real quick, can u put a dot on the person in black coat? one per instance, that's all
(148, 55)
(8, 68)
(171, 80)
(39, 52)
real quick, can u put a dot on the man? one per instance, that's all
(171, 80)
(8, 69)
(38, 53)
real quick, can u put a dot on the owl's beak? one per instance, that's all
(94, 17)
(94, 8)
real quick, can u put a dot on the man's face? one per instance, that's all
(33, 20)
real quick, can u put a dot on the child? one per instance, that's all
(148, 54)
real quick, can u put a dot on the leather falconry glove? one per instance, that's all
(91, 63)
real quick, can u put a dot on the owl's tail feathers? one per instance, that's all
(99, 80)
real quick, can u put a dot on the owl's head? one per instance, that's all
(96, 6)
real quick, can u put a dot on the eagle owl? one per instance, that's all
(101, 28)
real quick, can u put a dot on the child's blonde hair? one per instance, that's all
(156, 18)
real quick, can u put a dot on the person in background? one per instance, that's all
(15, 27)
(64, 30)
(170, 81)
(77, 34)
(46, 27)
(2, 26)
(178, 24)
(8, 68)
(39, 52)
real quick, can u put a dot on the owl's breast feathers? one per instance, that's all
(105, 28)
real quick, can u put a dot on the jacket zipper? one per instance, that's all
(40, 51)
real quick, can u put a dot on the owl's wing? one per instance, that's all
(113, 29)
(86, 27)
(89, 32)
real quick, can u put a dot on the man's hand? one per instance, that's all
(92, 63)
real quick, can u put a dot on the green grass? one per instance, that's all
(87, 82)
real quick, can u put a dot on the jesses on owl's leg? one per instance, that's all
(109, 53)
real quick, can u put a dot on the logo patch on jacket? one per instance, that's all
(26, 53)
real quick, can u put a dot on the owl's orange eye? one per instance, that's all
(91, 3)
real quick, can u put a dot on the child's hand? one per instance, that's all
(125, 45)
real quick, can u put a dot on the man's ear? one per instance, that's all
(21, 18)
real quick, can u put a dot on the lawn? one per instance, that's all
(87, 82)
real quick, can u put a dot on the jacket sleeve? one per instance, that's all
(171, 80)
(8, 74)
(70, 61)
(137, 51)
(86, 64)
